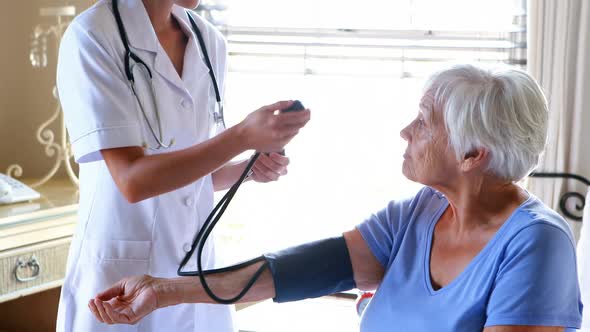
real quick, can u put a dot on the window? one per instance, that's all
(360, 67)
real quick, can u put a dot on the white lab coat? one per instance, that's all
(115, 239)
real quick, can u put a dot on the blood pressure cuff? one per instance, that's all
(311, 270)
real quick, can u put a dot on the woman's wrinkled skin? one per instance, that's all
(428, 159)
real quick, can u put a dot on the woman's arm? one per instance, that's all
(131, 299)
(139, 176)
(368, 272)
(224, 285)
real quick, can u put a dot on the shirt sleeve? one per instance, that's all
(99, 106)
(381, 229)
(537, 282)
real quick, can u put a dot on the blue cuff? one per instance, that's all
(311, 270)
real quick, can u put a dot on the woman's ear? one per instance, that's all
(474, 159)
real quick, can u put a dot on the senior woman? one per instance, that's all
(471, 251)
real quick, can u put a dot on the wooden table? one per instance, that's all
(34, 242)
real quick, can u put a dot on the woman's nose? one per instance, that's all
(405, 133)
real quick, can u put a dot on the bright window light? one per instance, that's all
(360, 67)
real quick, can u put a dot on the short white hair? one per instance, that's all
(502, 110)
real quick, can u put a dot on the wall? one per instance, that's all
(25, 92)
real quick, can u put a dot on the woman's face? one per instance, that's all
(428, 158)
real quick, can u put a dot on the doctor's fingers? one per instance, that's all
(279, 158)
(261, 176)
(273, 161)
(299, 119)
(287, 134)
(266, 173)
(280, 105)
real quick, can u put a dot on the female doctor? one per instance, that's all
(151, 156)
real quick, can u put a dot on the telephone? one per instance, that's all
(14, 191)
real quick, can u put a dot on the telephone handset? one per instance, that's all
(14, 191)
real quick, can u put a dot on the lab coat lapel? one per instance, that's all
(138, 26)
(196, 74)
(164, 67)
(194, 67)
(142, 36)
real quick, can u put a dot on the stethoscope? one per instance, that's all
(129, 55)
(201, 237)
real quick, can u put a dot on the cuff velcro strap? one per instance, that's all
(311, 270)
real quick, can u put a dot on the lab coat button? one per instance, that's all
(184, 103)
(186, 247)
(188, 201)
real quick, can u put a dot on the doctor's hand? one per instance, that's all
(269, 167)
(127, 302)
(266, 130)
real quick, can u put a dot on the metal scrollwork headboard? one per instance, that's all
(563, 207)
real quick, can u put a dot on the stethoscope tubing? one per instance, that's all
(218, 116)
(215, 215)
(201, 238)
(157, 137)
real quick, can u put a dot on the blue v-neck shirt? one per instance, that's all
(525, 275)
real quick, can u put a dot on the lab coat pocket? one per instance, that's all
(104, 262)
(103, 250)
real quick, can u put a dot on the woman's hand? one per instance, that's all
(269, 167)
(128, 301)
(266, 131)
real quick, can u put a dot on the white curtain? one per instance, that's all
(559, 58)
